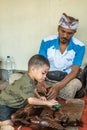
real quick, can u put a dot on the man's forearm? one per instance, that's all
(66, 80)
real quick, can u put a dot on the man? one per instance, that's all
(65, 53)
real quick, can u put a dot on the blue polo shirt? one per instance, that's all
(73, 55)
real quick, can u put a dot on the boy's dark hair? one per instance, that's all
(38, 60)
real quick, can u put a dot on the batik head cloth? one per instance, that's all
(68, 22)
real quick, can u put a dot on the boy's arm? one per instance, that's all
(36, 101)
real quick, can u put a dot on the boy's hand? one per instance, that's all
(52, 102)
(43, 98)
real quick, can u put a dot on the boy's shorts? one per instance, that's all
(6, 112)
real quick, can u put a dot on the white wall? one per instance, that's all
(23, 24)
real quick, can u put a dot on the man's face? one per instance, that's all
(39, 73)
(65, 34)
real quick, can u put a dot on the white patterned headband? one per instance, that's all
(68, 22)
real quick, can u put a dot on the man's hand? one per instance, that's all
(53, 92)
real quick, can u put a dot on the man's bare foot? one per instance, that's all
(7, 122)
(6, 127)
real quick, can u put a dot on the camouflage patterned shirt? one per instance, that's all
(16, 95)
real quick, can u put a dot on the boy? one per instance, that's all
(15, 96)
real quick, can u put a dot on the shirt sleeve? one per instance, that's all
(79, 56)
(43, 49)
